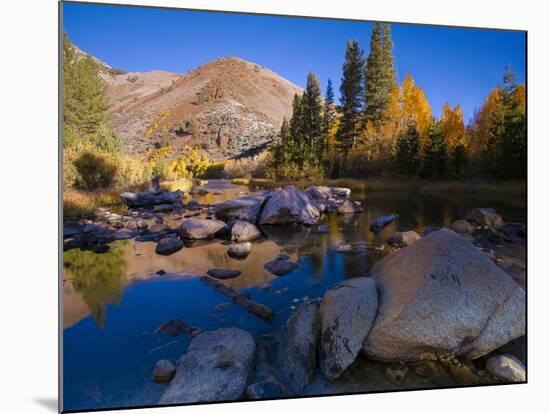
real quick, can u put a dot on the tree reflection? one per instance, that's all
(97, 277)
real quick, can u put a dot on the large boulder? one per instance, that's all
(297, 355)
(319, 192)
(198, 229)
(441, 296)
(244, 208)
(151, 198)
(216, 367)
(486, 217)
(347, 313)
(243, 231)
(289, 206)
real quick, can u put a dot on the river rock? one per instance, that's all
(240, 250)
(262, 390)
(123, 234)
(340, 192)
(198, 229)
(164, 371)
(347, 313)
(289, 206)
(243, 231)
(349, 207)
(463, 227)
(173, 327)
(150, 198)
(319, 192)
(220, 273)
(280, 267)
(486, 217)
(297, 355)
(158, 228)
(442, 296)
(197, 189)
(216, 367)
(403, 238)
(244, 208)
(168, 246)
(380, 222)
(506, 368)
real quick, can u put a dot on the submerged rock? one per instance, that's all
(244, 208)
(198, 229)
(280, 267)
(216, 367)
(463, 227)
(289, 206)
(164, 371)
(239, 251)
(380, 222)
(442, 296)
(486, 217)
(220, 273)
(168, 246)
(506, 368)
(347, 313)
(262, 390)
(243, 231)
(403, 238)
(174, 327)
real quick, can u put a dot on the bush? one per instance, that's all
(294, 171)
(248, 167)
(132, 171)
(96, 169)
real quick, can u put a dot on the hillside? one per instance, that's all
(229, 107)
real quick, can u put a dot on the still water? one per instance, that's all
(113, 302)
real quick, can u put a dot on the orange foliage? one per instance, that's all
(452, 125)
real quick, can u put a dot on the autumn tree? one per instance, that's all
(351, 91)
(415, 107)
(452, 124)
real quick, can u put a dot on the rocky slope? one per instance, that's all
(229, 107)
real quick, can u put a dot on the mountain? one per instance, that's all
(229, 107)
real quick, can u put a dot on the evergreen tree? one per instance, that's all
(312, 117)
(329, 115)
(406, 151)
(295, 127)
(435, 156)
(375, 93)
(282, 148)
(388, 67)
(458, 162)
(329, 95)
(351, 91)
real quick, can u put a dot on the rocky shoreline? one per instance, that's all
(444, 305)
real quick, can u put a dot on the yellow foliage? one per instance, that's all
(415, 107)
(159, 124)
(452, 125)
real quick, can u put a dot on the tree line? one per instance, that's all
(383, 128)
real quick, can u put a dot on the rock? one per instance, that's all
(193, 205)
(341, 192)
(220, 273)
(101, 248)
(148, 198)
(164, 371)
(486, 217)
(198, 229)
(441, 296)
(263, 390)
(506, 368)
(174, 327)
(69, 231)
(158, 228)
(244, 208)
(349, 207)
(163, 207)
(123, 234)
(197, 189)
(288, 206)
(239, 251)
(297, 355)
(168, 246)
(216, 367)
(347, 313)
(243, 231)
(396, 373)
(147, 238)
(380, 222)
(403, 238)
(319, 192)
(463, 227)
(280, 267)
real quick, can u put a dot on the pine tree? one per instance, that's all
(312, 117)
(435, 156)
(406, 153)
(351, 91)
(329, 115)
(295, 127)
(282, 148)
(375, 95)
(388, 68)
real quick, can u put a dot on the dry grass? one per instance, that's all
(184, 185)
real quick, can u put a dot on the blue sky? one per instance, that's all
(457, 65)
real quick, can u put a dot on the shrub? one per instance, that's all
(97, 169)
(248, 167)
